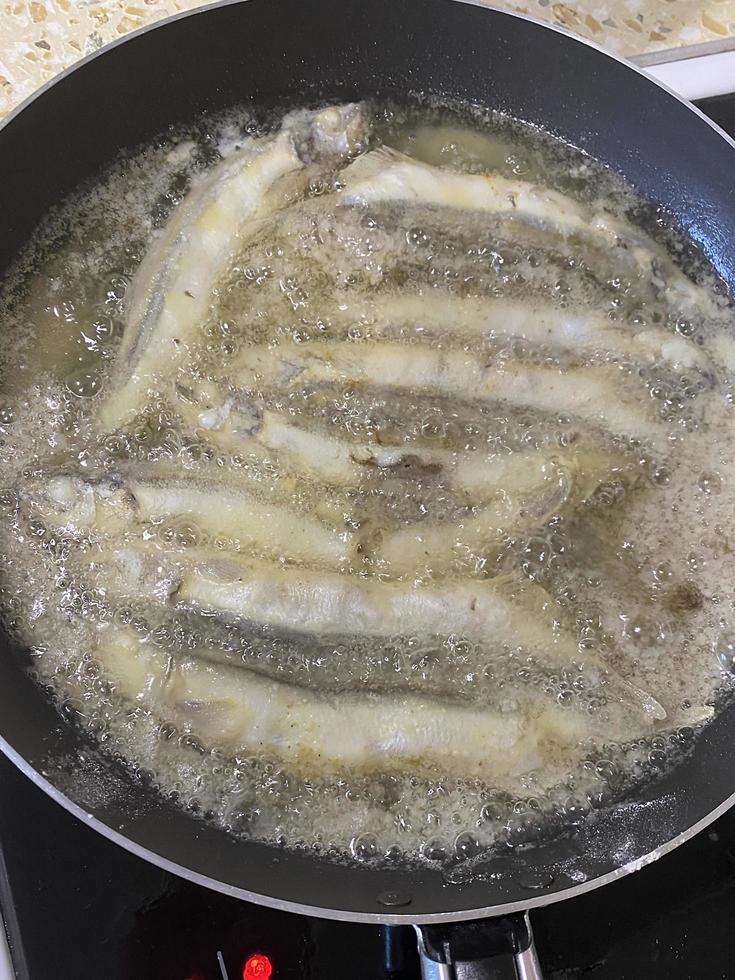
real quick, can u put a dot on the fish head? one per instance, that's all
(330, 134)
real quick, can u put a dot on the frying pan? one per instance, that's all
(271, 52)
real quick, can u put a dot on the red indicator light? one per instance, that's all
(257, 967)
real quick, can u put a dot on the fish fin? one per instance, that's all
(365, 167)
(539, 604)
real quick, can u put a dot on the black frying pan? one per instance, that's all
(272, 52)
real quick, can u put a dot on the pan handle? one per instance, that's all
(490, 949)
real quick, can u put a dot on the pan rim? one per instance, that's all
(375, 918)
(342, 915)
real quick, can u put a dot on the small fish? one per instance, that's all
(241, 712)
(499, 611)
(385, 175)
(498, 318)
(501, 614)
(239, 425)
(592, 394)
(221, 509)
(172, 289)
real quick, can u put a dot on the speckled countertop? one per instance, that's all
(38, 38)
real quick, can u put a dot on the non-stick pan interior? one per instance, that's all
(270, 52)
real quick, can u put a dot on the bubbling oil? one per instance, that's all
(639, 573)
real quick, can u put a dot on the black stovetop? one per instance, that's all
(82, 908)
(78, 907)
